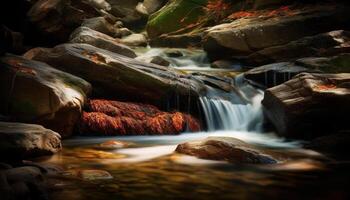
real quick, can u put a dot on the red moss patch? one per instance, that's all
(120, 118)
(282, 11)
(325, 87)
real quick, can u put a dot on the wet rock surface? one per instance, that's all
(271, 75)
(20, 141)
(247, 35)
(296, 106)
(116, 75)
(225, 148)
(34, 92)
(100, 40)
(324, 44)
(56, 19)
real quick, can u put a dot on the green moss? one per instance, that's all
(177, 14)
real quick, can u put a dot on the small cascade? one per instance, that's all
(239, 111)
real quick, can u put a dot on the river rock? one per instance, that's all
(309, 105)
(325, 44)
(101, 24)
(121, 118)
(18, 140)
(135, 39)
(125, 10)
(247, 35)
(225, 148)
(119, 76)
(56, 19)
(33, 91)
(178, 40)
(100, 40)
(148, 7)
(334, 64)
(270, 75)
(158, 60)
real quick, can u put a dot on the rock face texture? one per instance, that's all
(225, 148)
(18, 141)
(56, 19)
(309, 105)
(102, 25)
(271, 75)
(118, 118)
(335, 64)
(100, 40)
(325, 44)
(115, 75)
(244, 36)
(34, 92)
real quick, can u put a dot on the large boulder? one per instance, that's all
(225, 148)
(309, 105)
(122, 118)
(32, 91)
(249, 34)
(118, 76)
(100, 40)
(136, 39)
(325, 44)
(19, 141)
(56, 19)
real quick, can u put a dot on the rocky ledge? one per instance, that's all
(309, 105)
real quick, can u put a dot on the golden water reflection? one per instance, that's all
(174, 176)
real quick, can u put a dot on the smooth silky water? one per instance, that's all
(149, 168)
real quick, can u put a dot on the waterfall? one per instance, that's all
(239, 110)
(233, 111)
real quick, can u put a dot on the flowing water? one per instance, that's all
(149, 168)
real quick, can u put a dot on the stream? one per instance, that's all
(149, 168)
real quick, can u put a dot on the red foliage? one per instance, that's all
(282, 11)
(120, 118)
(325, 87)
(217, 9)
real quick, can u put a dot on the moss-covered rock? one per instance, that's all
(175, 15)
